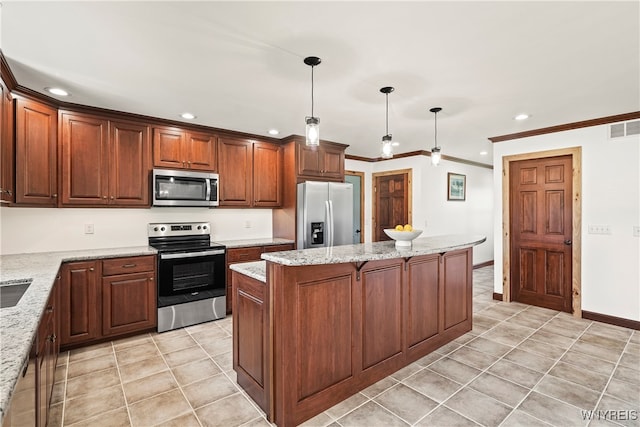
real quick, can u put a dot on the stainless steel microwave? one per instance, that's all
(184, 188)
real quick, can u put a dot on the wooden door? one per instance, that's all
(128, 303)
(168, 148)
(267, 174)
(7, 148)
(201, 151)
(36, 142)
(235, 166)
(129, 164)
(541, 229)
(85, 160)
(79, 302)
(391, 199)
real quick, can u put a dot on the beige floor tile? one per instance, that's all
(584, 361)
(209, 334)
(610, 331)
(209, 390)
(530, 360)
(445, 417)
(515, 373)
(624, 391)
(87, 383)
(551, 410)
(406, 372)
(134, 371)
(379, 387)
(500, 335)
(170, 335)
(406, 403)
(346, 405)
(61, 373)
(597, 351)
(90, 352)
(610, 403)
(178, 343)
(233, 410)
(528, 319)
(552, 338)
(149, 386)
(627, 374)
(58, 392)
(320, 420)
(261, 422)
(217, 346)
(433, 385)
(429, 359)
(133, 341)
(116, 418)
(473, 357)
(195, 371)
(448, 348)
(542, 348)
(489, 347)
(602, 341)
(454, 370)
(580, 376)
(224, 361)
(87, 366)
(90, 405)
(63, 358)
(478, 407)
(186, 420)
(500, 389)
(522, 419)
(568, 392)
(566, 327)
(187, 355)
(136, 354)
(372, 415)
(630, 360)
(159, 408)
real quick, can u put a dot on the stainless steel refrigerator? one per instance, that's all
(325, 214)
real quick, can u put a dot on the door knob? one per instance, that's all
(357, 231)
(568, 242)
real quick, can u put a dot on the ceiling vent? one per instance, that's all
(620, 130)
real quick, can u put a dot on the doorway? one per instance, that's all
(357, 180)
(541, 229)
(391, 201)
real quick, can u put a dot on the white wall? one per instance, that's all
(431, 210)
(610, 196)
(25, 230)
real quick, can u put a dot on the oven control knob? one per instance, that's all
(199, 227)
(162, 228)
(204, 227)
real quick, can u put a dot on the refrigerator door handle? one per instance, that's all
(331, 221)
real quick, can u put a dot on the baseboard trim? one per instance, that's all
(497, 296)
(612, 320)
(483, 264)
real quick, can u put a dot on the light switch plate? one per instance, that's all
(88, 229)
(636, 231)
(599, 229)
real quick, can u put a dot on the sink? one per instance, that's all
(12, 290)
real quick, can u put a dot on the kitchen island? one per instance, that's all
(313, 327)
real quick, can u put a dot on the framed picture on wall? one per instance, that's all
(456, 186)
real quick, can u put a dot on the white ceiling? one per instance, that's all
(239, 65)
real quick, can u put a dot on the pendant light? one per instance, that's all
(387, 140)
(312, 131)
(436, 150)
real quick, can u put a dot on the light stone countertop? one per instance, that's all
(255, 269)
(373, 251)
(19, 324)
(230, 244)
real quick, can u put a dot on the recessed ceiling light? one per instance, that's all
(188, 116)
(484, 153)
(273, 131)
(521, 116)
(56, 91)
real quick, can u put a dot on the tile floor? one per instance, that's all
(520, 366)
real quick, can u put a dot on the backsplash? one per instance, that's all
(25, 230)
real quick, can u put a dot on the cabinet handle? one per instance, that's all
(52, 337)
(189, 163)
(50, 309)
(128, 265)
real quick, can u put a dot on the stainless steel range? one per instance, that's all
(191, 274)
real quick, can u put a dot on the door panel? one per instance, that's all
(541, 229)
(392, 203)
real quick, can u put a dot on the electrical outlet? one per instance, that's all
(599, 229)
(636, 231)
(247, 224)
(88, 229)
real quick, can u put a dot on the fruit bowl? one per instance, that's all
(403, 238)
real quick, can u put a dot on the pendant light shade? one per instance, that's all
(312, 130)
(436, 151)
(386, 151)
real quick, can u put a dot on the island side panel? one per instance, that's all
(458, 293)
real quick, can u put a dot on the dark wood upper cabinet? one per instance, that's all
(104, 162)
(7, 147)
(324, 161)
(267, 174)
(36, 141)
(178, 149)
(235, 158)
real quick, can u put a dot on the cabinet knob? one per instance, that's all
(111, 197)
(54, 195)
(91, 269)
(104, 197)
(151, 278)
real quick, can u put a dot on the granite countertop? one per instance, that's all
(19, 324)
(255, 269)
(230, 244)
(373, 251)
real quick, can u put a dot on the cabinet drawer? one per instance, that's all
(137, 264)
(277, 248)
(244, 254)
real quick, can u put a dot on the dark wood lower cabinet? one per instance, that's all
(315, 335)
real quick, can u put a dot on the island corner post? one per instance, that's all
(313, 335)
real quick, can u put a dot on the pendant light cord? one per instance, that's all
(436, 128)
(387, 115)
(312, 92)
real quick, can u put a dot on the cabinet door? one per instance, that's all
(128, 303)
(201, 151)
(168, 148)
(36, 136)
(332, 162)
(129, 164)
(235, 166)
(236, 255)
(85, 160)
(277, 248)
(267, 174)
(308, 161)
(7, 183)
(79, 303)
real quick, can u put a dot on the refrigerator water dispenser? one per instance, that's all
(317, 233)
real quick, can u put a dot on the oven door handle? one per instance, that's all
(191, 254)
